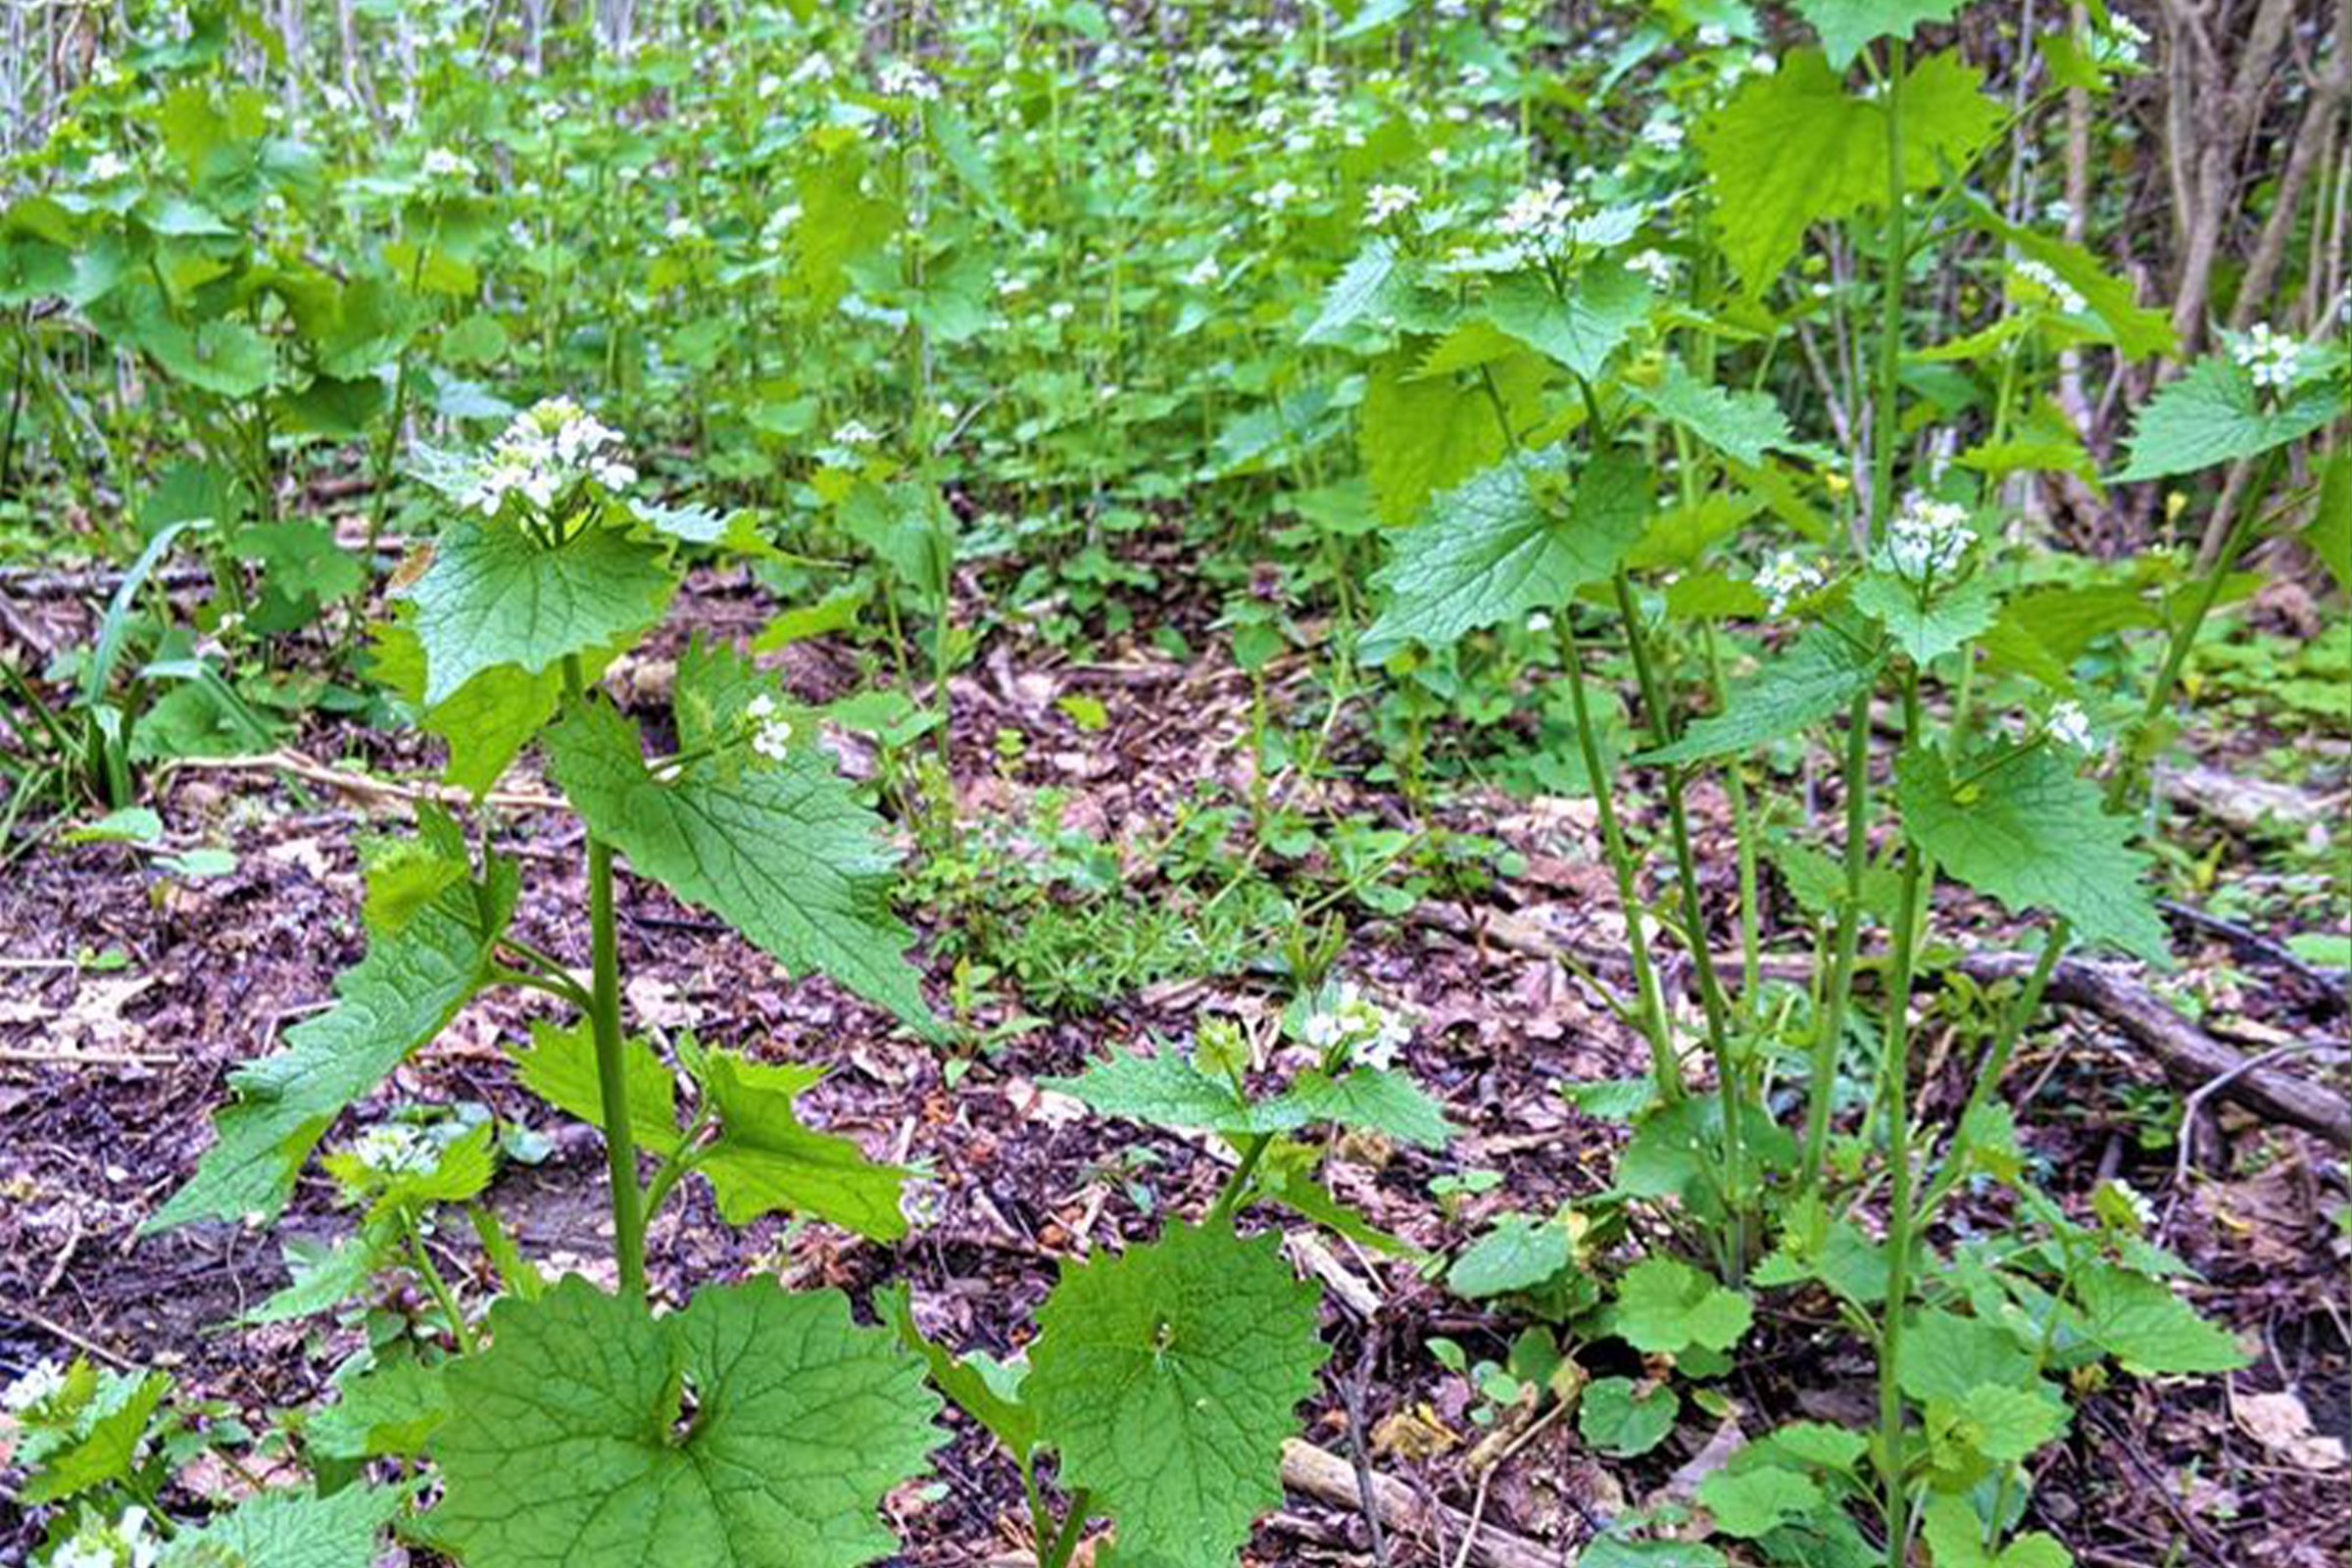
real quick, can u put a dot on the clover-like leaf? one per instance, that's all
(401, 994)
(781, 850)
(1167, 1378)
(572, 1440)
(493, 596)
(1500, 545)
(2030, 832)
(1626, 1419)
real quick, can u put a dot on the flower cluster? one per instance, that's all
(441, 164)
(2041, 276)
(771, 730)
(548, 450)
(1786, 579)
(1539, 217)
(104, 169)
(1354, 1025)
(1926, 539)
(36, 1387)
(2271, 358)
(899, 79)
(395, 1148)
(2070, 727)
(1384, 202)
(125, 1543)
(1655, 267)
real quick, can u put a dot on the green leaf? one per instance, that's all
(398, 997)
(766, 1160)
(1625, 1419)
(2006, 1423)
(1947, 1354)
(2030, 831)
(291, 1530)
(1502, 545)
(487, 721)
(1794, 148)
(2328, 533)
(1164, 1090)
(979, 1385)
(560, 1067)
(2143, 1325)
(2138, 330)
(388, 1411)
(1955, 1536)
(2214, 414)
(1167, 1378)
(1423, 434)
(1369, 287)
(226, 357)
(782, 851)
(1383, 1101)
(494, 597)
(1815, 678)
(1741, 426)
(1603, 305)
(1846, 25)
(839, 224)
(569, 1441)
(107, 1446)
(1758, 1499)
(1519, 1253)
(1925, 632)
(1666, 1306)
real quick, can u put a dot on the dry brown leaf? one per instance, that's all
(2282, 1423)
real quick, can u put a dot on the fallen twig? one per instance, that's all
(366, 786)
(1328, 1478)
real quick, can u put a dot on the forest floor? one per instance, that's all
(128, 996)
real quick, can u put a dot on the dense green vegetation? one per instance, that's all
(1760, 433)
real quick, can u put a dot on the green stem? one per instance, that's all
(603, 1014)
(1252, 1153)
(1665, 1065)
(1073, 1525)
(443, 1295)
(1895, 1089)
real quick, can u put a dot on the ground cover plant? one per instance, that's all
(1168, 785)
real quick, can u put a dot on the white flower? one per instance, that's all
(46, 1382)
(2070, 727)
(768, 86)
(900, 79)
(1656, 267)
(1147, 167)
(1356, 1025)
(2137, 1201)
(1384, 202)
(1060, 310)
(1714, 36)
(683, 229)
(2044, 278)
(814, 69)
(104, 72)
(1205, 273)
(1786, 579)
(771, 731)
(550, 112)
(126, 1544)
(1275, 197)
(393, 1148)
(2271, 358)
(856, 435)
(1538, 622)
(104, 166)
(548, 450)
(1665, 134)
(1539, 217)
(440, 163)
(1926, 539)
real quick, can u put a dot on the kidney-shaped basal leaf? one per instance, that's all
(1804, 686)
(2030, 832)
(1497, 547)
(494, 595)
(1169, 1377)
(401, 994)
(756, 1429)
(780, 849)
(1666, 1306)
